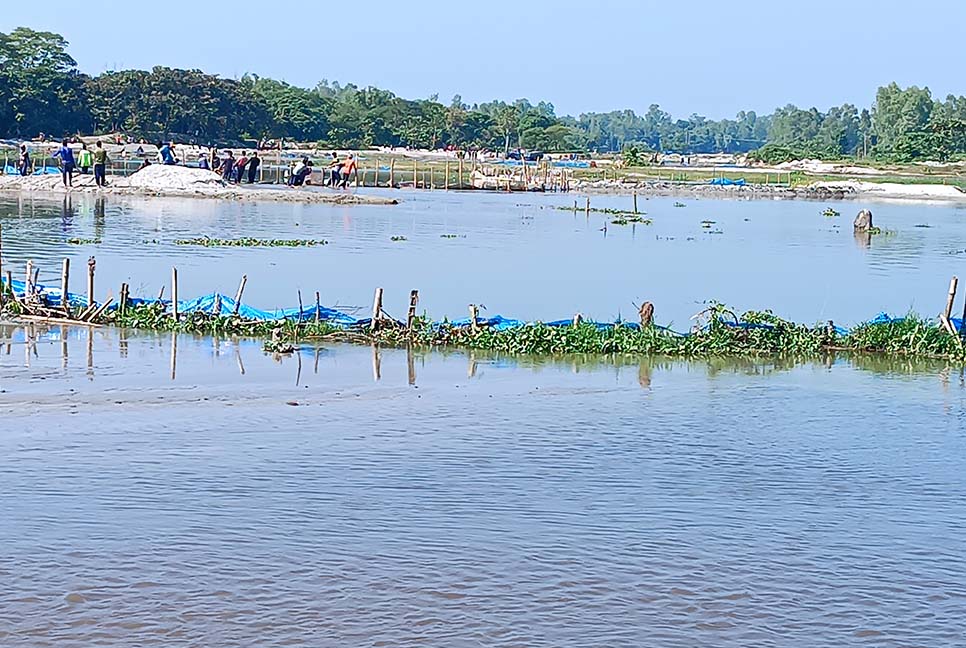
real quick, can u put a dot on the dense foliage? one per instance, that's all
(41, 90)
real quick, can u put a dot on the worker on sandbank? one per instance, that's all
(100, 159)
(67, 163)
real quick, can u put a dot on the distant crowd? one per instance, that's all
(336, 172)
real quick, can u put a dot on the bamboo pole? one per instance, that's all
(216, 307)
(29, 282)
(413, 303)
(587, 208)
(64, 280)
(635, 202)
(446, 177)
(238, 295)
(951, 297)
(392, 173)
(415, 175)
(460, 183)
(318, 307)
(376, 310)
(174, 294)
(474, 315)
(100, 311)
(91, 264)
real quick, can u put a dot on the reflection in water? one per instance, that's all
(199, 488)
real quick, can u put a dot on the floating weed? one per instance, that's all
(830, 213)
(754, 333)
(679, 204)
(923, 225)
(626, 220)
(452, 236)
(83, 241)
(707, 223)
(605, 210)
(398, 238)
(206, 241)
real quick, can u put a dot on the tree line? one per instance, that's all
(42, 91)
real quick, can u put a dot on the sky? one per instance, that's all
(702, 56)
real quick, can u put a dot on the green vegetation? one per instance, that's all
(830, 213)
(755, 333)
(41, 90)
(398, 238)
(604, 210)
(206, 241)
(83, 241)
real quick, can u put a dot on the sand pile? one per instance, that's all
(160, 177)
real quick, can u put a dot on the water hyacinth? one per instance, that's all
(206, 241)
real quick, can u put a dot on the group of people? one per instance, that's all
(85, 160)
(235, 170)
(340, 171)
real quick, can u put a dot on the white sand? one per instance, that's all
(178, 181)
(894, 190)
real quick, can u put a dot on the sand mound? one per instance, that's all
(160, 177)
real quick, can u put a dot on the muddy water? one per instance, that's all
(165, 491)
(516, 255)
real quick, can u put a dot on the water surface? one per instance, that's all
(515, 254)
(210, 494)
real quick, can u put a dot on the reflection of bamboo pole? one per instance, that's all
(410, 365)
(376, 363)
(174, 355)
(63, 346)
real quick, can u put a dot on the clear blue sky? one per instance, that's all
(703, 56)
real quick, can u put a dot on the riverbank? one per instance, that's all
(824, 191)
(183, 182)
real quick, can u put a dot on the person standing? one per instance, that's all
(84, 159)
(228, 166)
(253, 163)
(67, 163)
(203, 162)
(335, 167)
(24, 160)
(240, 167)
(166, 151)
(100, 164)
(348, 169)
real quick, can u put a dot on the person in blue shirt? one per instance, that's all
(166, 151)
(67, 163)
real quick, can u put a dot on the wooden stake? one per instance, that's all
(446, 177)
(91, 263)
(29, 282)
(392, 173)
(376, 310)
(415, 175)
(216, 307)
(635, 202)
(474, 314)
(238, 295)
(460, 183)
(951, 297)
(174, 294)
(125, 294)
(318, 307)
(300, 305)
(413, 303)
(578, 318)
(587, 208)
(64, 279)
(100, 311)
